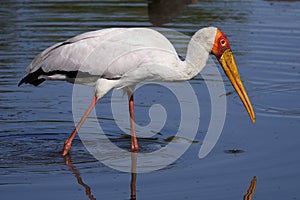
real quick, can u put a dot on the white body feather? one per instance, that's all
(123, 57)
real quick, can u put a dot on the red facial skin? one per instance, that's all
(221, 44)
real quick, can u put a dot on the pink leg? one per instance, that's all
(134, 143)
(68, 142)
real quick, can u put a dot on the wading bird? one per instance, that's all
(123, 57)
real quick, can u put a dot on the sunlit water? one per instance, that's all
(35, 122)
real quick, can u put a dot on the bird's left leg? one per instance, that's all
(102, 86)
(68, 142)
(134, 143)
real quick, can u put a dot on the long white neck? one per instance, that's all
(198, 51)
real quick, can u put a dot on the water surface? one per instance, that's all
(35, 122)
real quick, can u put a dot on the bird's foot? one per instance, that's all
(67, 148)
(134, 148)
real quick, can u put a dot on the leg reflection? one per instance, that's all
(133, 176)
(251, 189)
(88, 192)
(68, 162)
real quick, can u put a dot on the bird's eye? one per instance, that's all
(223, 42)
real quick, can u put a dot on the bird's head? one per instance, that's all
(221, 49)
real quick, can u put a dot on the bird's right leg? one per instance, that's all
(68, 142)
(134, 143)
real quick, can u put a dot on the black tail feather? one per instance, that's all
(33, 78)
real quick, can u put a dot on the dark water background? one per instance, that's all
(35, 122)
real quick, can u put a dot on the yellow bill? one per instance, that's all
(228, 63)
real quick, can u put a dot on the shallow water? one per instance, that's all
(35, 122)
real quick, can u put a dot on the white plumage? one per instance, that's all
(122, 57)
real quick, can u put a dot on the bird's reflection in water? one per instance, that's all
(73, 169)
(133, 176)
(251, 189)
(88, 191)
